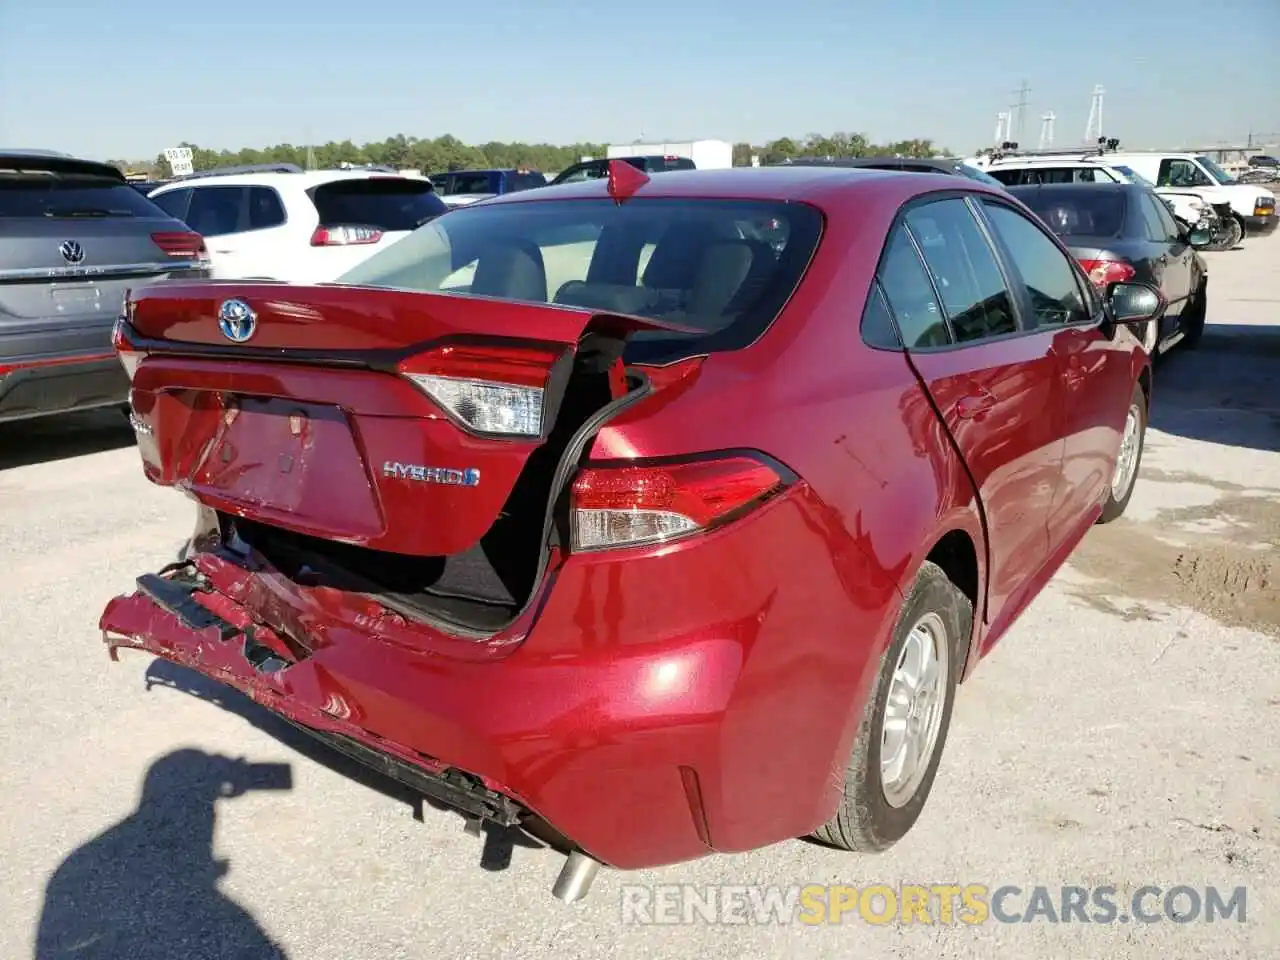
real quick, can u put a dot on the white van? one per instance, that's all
(1254, 207)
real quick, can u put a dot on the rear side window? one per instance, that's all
(216, 211)
(910, 296)
(48, 195)
(388, 203)
(698, 263)
(964, 268)
(265, 208)
(1047, 275)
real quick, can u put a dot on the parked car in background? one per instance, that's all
(463, 187)
(279, 222)
(598, 168)
(1076, 167)
(615, 549)
(1120, 233)
(952, 166)
(74, 237)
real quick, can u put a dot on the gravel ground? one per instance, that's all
(1126, 732)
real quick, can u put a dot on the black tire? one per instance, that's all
(1193, 320)
(865, 820)
(1115, 505)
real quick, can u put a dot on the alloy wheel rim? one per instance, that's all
(913, 710)
(1127, 461)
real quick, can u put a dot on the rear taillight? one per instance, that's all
(1103, 273)
(181, 245)
(495, 391)
(345, 235)
(634, 504)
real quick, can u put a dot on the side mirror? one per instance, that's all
(1199, 237)
(1135, 302)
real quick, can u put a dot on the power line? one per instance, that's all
(1019, 110)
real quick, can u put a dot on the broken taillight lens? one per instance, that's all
(495, 391)
(128, 352)
(634, 504)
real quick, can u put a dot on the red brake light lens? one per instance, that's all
(1103, 273)
(345, 235)
(496, 391)
(181, 245)
(633, 504)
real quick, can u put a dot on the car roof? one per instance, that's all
(60, 163)
(304, 180)
(818, 184)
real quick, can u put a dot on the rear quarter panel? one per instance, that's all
(883, 486)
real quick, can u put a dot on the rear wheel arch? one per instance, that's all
(956, 554)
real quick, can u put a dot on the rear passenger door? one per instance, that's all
(1094, 366)
(1177, 254)
(244, 228)
(994, 383)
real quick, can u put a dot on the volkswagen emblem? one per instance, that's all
(237, 320)
(71, 251)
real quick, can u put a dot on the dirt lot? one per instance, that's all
(1126, 732)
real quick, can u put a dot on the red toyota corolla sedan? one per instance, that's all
(658, 518)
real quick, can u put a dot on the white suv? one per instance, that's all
(283, 223)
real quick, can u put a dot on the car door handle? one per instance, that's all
(974, 404)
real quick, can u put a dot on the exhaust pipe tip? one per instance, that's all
(574, 881)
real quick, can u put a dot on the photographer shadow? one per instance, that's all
(147, 888)
(499, 842)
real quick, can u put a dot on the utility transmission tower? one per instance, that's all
(1019, 112)
(1046, 130)
(1093, 130)
(1002, 128)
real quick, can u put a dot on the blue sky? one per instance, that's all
(124, 80)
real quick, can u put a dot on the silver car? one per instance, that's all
(74, 237)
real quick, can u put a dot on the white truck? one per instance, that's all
(705, 154)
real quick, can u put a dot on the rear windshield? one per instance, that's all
(388, 203)
(723, 267)
(1078, 212)
(1132, 175)
(456, 183)
(664, 164)
(50, 195)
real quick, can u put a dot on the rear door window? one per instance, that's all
(964, 269)
(1152, 227)
(265, 208)
(1047, 276)
(388, 203)
(1168, 225)
(217, 211)
(46, 194)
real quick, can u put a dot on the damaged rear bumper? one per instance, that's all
(643, 713)
(164, 618)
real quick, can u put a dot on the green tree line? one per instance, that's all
(449, 153)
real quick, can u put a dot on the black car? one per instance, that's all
(952, 166)
(598, 169)
(74, 237)
(1122, 231)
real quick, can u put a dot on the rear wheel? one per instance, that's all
(905, 721)
(1129, 459)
